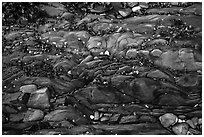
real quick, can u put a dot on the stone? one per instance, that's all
(33, 115)
(125, 12)
(171, 60)
(136, 9)
(168, 119)
(180, 129)
(96, 115)
(131, 53)
(39, 99)
(156, 52)
(103, 119)
(28, 88)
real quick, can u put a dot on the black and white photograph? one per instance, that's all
(101, 68)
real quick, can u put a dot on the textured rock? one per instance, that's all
(39, 99)
(28, 88)
(33, 115)
(125, 12)
(131, 53)
(180, 129)
(168, 119)
(128, 68)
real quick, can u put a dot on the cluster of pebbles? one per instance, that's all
(103, 68)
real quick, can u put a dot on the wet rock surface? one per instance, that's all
(103, 68)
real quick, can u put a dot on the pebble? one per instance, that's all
(125, 12)
(180, 129)
(28, 88)
(104, 119)
(33, 115)
(156, 52)
(168, 119)
(96, 115)
(136, 9)
(131, 53)
(39, 99)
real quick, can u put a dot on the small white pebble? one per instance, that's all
(91, 117)
(69, 72)
(107, 52)
(180, 120)
(134, 9)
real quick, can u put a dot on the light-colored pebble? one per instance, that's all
(180, 129)
(104, 119)
(28, 88)
(156, 52)
(96, 115)
(168, 119)
(137, 8)
(181, 120)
